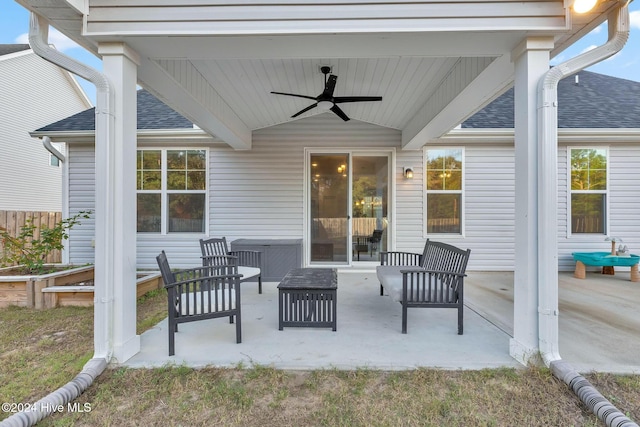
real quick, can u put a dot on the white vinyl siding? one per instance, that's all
(264, 187)
(252, 194)
(34, 93)
(82, 187)
(260, 194)
(623, 206)
(489, 207)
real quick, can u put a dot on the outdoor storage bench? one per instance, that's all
(434, 278)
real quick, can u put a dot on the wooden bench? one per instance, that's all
(434, 278)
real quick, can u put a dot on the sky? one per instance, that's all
(14, 26)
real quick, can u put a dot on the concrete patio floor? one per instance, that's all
(599, 330)
(599, 320)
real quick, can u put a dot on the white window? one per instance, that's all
(444, 184)
(588, 190)
(53, 160)
(171, 190)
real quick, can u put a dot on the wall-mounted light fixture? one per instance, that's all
(408, 173)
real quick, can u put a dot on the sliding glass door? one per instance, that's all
(348, 207)
(369, 207)
(329, 209)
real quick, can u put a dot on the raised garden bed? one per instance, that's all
(69, 286)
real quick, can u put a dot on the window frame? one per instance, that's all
(165, 192)
(571, 192)
(426, 192)
(53, 160)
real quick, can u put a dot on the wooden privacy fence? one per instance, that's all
(338, 226)
(443, 225)
(586, 224)
(13, 221)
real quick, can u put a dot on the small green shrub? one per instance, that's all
(30, 253)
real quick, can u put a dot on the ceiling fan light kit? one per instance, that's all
(326, 101)
(324, 105)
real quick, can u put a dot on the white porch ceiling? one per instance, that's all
(405, 69)
(405, 83)
(218, 62)
(233, 76)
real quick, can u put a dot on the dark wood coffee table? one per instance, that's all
(307, 297)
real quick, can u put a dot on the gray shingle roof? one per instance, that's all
(6, 49)
(597, 101)
(152, 114)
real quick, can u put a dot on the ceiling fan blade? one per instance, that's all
(340, 113)
(304, 110)
(294, 94)
(342, 99)
(329, 87)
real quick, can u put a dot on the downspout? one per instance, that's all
(547, 218)
(46, 142)
(103, 301)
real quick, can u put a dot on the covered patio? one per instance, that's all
(219, 65)
(598, 330)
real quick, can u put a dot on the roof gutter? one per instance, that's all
(103, 301)
(547, 217)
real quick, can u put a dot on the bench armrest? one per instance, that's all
(400, 258)
(203, 279)
(447, 277)
(198, 273)
(220, 260)
(432, 286)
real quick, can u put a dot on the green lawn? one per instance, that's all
(42, 350)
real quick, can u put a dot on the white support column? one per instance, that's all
(531, 61)
(116, 185)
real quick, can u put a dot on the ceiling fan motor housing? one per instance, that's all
(326, 101)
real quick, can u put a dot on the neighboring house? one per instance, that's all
(33, 92)
(269, 165)
(469, 202)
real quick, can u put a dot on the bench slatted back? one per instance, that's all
(438, 256)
